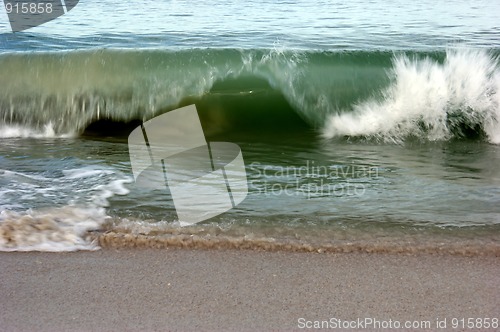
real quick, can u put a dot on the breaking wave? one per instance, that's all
(430, 95)
(430, 99)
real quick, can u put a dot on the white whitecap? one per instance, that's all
(423, 94)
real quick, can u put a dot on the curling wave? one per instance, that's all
(430, 95)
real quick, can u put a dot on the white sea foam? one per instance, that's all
(58, 229)
(86, 172)
(427, 99)
(116, 187)
(22, 177)
(78, 199)
(15, 131)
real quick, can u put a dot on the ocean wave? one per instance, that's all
(430, 99)
(388, 95)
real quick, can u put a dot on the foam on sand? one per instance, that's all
(62, 229)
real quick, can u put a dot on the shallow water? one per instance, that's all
(360, 129)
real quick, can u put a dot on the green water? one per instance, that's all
(367, 126)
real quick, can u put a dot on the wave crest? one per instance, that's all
(435, 96)
(429, 99)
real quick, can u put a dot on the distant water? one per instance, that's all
(367, 126)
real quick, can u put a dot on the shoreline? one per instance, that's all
(408, 245)
(238, 290)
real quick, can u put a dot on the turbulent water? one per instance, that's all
(356, 135)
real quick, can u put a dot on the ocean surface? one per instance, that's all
(364, 126)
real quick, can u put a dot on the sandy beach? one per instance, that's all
(240, 290)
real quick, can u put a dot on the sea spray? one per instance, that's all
(429, 99)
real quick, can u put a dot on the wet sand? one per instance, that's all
(239, 290)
